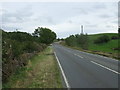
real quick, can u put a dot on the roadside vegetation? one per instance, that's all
(105, 44)
(40, 72)
(18, 47)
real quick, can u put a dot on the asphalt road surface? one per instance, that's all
(85, 70)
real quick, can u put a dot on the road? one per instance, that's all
(85, 70)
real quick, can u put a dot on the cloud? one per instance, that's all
(70, 21)
(94, 25)
(10, 28)
(115, 22)
(18, 16)
(109, 26)
(63, 18)
(81, 11)
(105, 16)
(99, 5)
(45, 20)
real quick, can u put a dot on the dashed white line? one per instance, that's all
(105, 67)
(65, 79)
(78, 55)
(97, 55)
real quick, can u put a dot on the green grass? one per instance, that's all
(105, 47)
(94, 36)
(42, 71)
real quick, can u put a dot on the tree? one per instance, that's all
(71, 40)
(83, 40)
(45, 35)
(58, 39)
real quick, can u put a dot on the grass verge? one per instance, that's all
(42, 71)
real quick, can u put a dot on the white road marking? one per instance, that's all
(78, 55)
(105, 67)
(97, 55)
(65, 79)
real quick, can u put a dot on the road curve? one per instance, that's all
(84, 70)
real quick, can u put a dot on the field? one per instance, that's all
(105, 47)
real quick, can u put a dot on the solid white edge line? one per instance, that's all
(105, 67)
(65, 79)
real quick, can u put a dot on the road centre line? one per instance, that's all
(78, 55)
(105, 67)
(98, 55)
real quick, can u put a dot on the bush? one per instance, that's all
(17, 48)
(78, 40)
(102, 39)
(114, 37)
(83, 41)
(71, 40)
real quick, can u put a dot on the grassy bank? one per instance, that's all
(41, 72)
(105, 49)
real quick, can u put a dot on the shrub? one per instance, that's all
(83, 41)
(71, 40)
(78, 40)
(102, 39)
(114, 37)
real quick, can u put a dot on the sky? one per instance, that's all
(64, 18)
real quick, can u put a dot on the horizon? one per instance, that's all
(63, 37)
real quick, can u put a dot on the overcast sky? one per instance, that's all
(64, 18)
